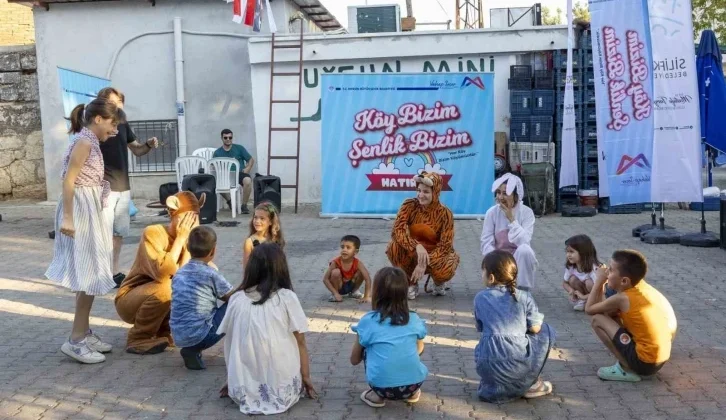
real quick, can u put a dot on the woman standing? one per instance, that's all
(509, 225)
(82, 251)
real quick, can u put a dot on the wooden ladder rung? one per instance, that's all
(284, 157)
(287, 46)
(288, 73)
(282, 129)
(288, 186)
(285, 101)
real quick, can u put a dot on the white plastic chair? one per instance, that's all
(227, 181)
(187, 165)
(205, 152)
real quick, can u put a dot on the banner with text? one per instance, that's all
(624, 97)
(379, 130)
(677, 145)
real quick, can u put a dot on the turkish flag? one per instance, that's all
(249, 17)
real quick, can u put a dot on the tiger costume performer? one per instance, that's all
(431, 226)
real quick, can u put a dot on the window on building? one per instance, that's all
(160, 159)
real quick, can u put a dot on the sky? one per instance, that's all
(436, 10)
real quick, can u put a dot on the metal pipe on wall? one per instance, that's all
(180, 101)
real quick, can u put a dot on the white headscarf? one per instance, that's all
(513, 182)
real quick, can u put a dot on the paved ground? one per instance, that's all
(37, 381)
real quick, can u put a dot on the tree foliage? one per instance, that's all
(710, 14)
(581, 12)
(549, 19)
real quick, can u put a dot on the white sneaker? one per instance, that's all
(95, 343)
(82, 353)
(439, 290)
(579, 306)
(412, 291)
(355, 295)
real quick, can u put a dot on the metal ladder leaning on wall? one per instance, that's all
(298, 101)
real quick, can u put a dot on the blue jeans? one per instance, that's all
(212, 337)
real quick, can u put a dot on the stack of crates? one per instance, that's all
(567, 196)
(589, 179)
(520, 77)
(531, 112)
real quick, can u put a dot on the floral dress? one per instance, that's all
(261, 352)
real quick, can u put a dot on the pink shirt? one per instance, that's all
(501, 241)
(91, 174)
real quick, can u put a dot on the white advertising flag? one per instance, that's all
(568, 143)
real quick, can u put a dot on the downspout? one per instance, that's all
(180, 101)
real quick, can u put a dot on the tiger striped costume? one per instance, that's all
(431, 226)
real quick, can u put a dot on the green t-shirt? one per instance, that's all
(238, 152)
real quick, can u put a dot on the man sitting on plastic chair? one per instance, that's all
(246, 161)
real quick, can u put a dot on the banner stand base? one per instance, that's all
(701, 240)
(389, 216)
(661, 235)
(638, 231)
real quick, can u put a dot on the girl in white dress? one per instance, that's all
(580, 268)
(264, 348)
(509, 226)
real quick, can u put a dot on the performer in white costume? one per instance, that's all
(509, 226)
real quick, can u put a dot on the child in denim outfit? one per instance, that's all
(195, 289)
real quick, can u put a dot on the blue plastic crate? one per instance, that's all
(519, 129)
(709, 204)
(586, 40)
(571, 190)
(540, 129)
(590, 169)
(605, 207)
(589, 150)
(588, 78)
(589, 114)
(588, 96)
(649, 206)
(513, 84)
(560, 59)
(561, 78)
(520, 71)
(520, 102)
(544, 79)
(543, 102)
(586, 57)
(590, 132)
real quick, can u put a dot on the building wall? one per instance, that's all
(22, 172)
(218, 87)
(16, 24)
(478, 51)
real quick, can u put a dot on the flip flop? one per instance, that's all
(539, 389)
(616, 373)
(415, 397)
(364, 397)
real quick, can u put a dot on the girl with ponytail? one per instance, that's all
(82, 248)
(514, 342)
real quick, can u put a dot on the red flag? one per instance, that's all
(249, 16)
(237, 10)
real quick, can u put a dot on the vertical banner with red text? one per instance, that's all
(624, 96)
(379, 130)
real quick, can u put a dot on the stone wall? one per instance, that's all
(22, 171)
(16, 24)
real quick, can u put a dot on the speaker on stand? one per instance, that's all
(203, 184)
(268, 188)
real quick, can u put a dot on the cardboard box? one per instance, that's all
(408, 24)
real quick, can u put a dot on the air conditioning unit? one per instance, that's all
(374, 19)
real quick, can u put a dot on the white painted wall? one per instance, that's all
(84, 36)
(405, 52)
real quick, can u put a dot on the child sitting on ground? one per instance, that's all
(346, 273)
(580, 267)
(514, 343)
(267, 360)
(264, 227)
(389, 343)
(195, 288)
(642, 330)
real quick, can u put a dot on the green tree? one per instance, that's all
(549, 19)
(581, 12)
(710, 14)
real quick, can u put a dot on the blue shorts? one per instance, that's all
(347, 287)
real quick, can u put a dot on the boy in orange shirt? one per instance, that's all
(637, 324)
(346, 273)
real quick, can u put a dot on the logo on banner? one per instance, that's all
(395, 147)
(468, 81)
(626, 162)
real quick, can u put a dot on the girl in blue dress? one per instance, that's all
(514, 342)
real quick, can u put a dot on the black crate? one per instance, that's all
(520, 102)
(589, 150)
(519, 84)
(590, 170)
(589, 132)
(589, 114)
(605, 207)
(544, 79)
(519, 129)
(520, 72)
(588, 78)
(588, 96)
(586, 57)
(561, 97)
(561, 78)
(540, 129)
(560, 60)
(560, 114)
(543, 102)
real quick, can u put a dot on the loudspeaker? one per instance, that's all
(268, 188)
(203, 183)
(166, 191)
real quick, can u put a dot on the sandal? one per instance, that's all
(415, 397)
(364, 397)
(539, 389)
(616, 373)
